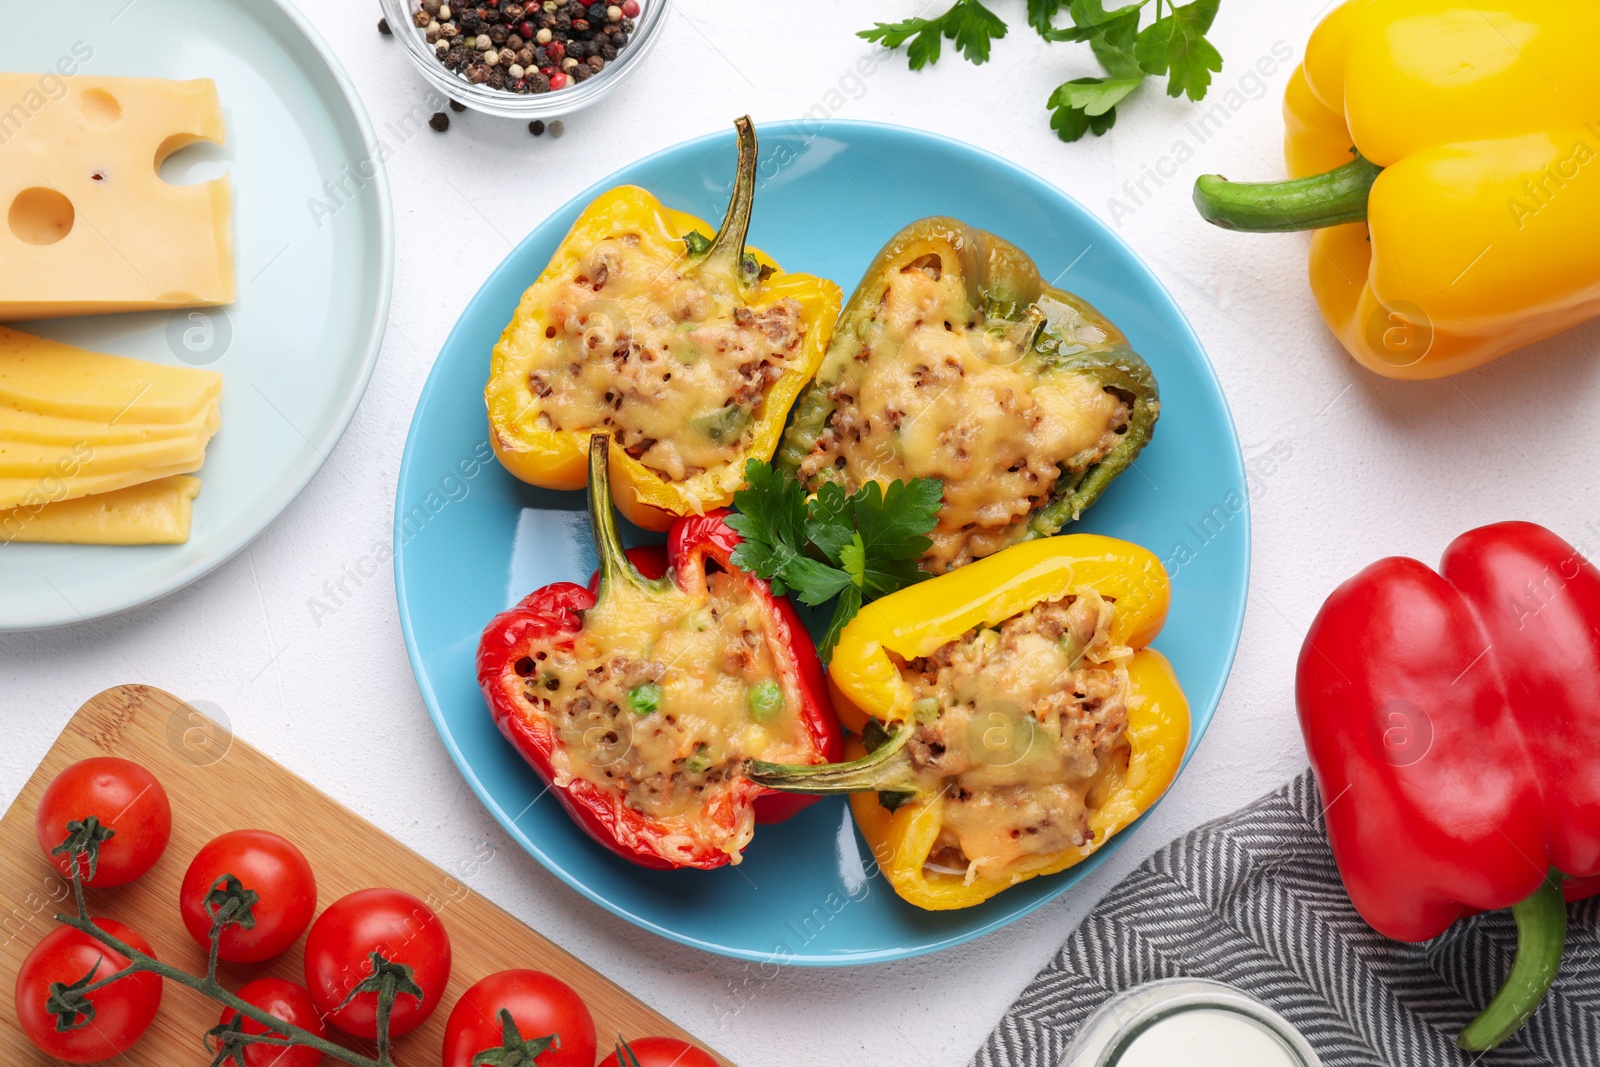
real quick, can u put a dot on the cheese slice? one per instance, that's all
(52, 378)
(67, 485)
(154, 513)
(28, 459)
(18, 425)
(91, 227)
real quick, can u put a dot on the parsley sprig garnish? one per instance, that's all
(969, 24)
(1173, 44)
(853, 546)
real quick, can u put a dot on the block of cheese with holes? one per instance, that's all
(155, 513)
(91, 225)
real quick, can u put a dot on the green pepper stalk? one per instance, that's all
(721, 262)
(615, 569)
(721, 258)
(886, 770)
(1541, 936)
(1309, 203)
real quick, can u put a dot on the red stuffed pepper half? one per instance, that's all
(641, 699)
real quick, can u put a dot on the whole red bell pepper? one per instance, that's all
(553, 616)
(1453, 721)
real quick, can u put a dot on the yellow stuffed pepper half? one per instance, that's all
(688, 350)
(1012, 717)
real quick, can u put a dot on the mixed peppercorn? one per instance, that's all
(535, 47)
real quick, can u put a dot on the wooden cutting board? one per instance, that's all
(218, 783)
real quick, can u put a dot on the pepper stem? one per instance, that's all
(886, 769)
(1022, 333)
(614, 564)
(1541, 935)
(726, 254)
(1330, 199)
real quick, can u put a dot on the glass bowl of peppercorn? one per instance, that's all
(535, 60)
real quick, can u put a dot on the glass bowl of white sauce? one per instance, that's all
(1187, 1021)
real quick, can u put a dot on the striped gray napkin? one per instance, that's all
(1254, 900)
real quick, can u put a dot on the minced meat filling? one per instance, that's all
(678, 374)
(1016, 726)
(934, 392)
(662, 697)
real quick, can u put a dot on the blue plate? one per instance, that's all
(470, 540)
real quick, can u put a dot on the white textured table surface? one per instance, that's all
(1344, 467)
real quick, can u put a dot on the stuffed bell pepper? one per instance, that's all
(687, 350)
(1453, 720)
(1015, 717)
(1441, 149)
(954, 360)
(641, 699)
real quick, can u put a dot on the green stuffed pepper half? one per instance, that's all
(954, 360)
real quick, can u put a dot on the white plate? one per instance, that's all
(298, 346)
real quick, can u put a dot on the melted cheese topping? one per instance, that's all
(1016, 727)
(935, 392)
(677, 373)
(662, 697)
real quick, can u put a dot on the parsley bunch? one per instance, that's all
(1173, 44)
(851, 546)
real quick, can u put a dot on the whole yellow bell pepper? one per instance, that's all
(875, 699)
(1464, 226)
(676, 257)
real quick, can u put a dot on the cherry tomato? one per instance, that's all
(540, 1005)
(133, 818)
(290, 1002)
(265, 864)
(122, 1010)
(339, 959)
(662, 1052)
